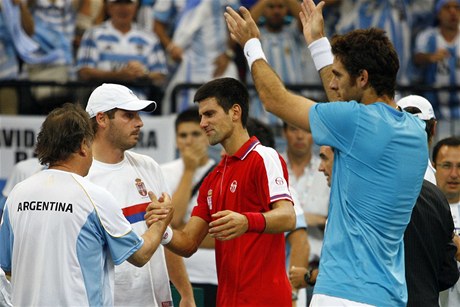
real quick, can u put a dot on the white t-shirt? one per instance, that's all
(129, 182)
(201, 266)
(61, 236)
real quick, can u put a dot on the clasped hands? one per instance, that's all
(226, 225)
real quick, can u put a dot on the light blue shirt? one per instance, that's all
(379, 161)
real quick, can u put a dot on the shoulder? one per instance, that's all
(171, 165)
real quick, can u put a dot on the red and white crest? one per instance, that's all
(141, 187)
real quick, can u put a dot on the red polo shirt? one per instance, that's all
(251, 268)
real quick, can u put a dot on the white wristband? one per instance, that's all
(253, 51)
(321, 53)
(167, 236)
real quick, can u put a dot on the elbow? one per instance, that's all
(138, 260)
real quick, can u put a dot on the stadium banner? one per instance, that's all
(18, 135)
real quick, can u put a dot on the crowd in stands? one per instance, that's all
(153, 46)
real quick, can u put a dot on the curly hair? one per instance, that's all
(370, 50)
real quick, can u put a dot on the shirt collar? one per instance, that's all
(246, 148)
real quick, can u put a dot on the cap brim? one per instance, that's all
(139, 105)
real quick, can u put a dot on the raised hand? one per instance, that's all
(242, 28)
(311, 16)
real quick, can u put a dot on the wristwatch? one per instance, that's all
(307, 278)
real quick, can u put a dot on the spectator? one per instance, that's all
(397, 18)
(207, 52)
(421, 107)
(312, 189)
(436, 52)
(21, 170)
(185, 176)
(281, 36)
(71, 228)
(55, 23)
(166, 15)
(446, 160)
(378, 172)
(118, 50)
(114, 111)
(297, 245)
(244, 203)
(9, 62)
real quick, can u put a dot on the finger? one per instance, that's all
(153, 197)
(245, 13)
(233, 14)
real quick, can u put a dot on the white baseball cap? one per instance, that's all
(419, 102)
(109, 96)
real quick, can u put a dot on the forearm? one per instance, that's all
(27, 20)
(89, 73)
(181, 198)
(277, 99)
(300, 248)
(421, 59)
(281, 218)
(178, 275)
(152, 238)
(160, 30)
(257, 9)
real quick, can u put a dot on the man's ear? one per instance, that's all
(363, 78)
(85, 148)
(236, 112)
(102, 119)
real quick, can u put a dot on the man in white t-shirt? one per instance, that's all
(114, 110)
(185, 176)
(61, 234)
(421, 107)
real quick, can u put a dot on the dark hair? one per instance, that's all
(227, 92)
(450, 141)
(62, 133)
(429, 123)
(186, 116)
(94, 124)
(370, 50)
(261, 131)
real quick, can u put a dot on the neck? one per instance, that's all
(449, 34)
(70, 166)
(104, 152)
(122, 27)
(298, 163)
(453, 198)
(235, 141)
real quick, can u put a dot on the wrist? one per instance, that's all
(253, 51)
(167, 236)
(321, 53)
(307, 277)
(230, 53)
(256, 222)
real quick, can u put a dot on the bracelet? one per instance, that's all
(167, 236)
(256, 221)
(253, 51)
(321, 53)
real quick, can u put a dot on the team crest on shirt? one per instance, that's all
(233, 186)
(209, 199)
(140, 187)
(279, 181)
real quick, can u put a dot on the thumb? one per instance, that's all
(152, 196)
